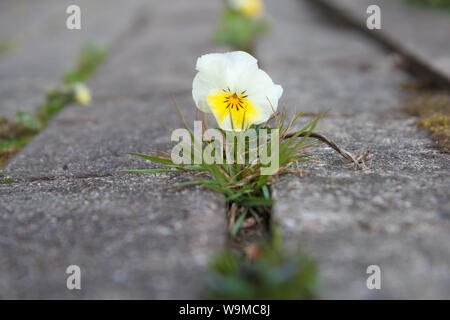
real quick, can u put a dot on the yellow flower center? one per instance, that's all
(242, 111)
(235, 101)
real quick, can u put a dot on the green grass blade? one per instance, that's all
(266, 193)
(155, 159)
(151, 171)
(256, 202)
(238, 223)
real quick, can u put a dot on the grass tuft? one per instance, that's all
(262, 272)
(89, 60)
(238, 31)
(244, 185)
(6, 180)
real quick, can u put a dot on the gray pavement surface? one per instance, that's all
(419, 33)
(132, 236)
(396, 213)
(138, 237)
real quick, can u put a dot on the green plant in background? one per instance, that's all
(444, 4)
(241, 23)
(263, 272)
(73, 88)
(25, 120)
(16, 134)
(90, 58)
(57, 98)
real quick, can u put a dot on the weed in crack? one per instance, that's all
(14, 135)
(262, 271)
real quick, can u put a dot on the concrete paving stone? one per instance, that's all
(326, 67)
(313, 86)
(98, 140)
(134, 237)
(414, 30)
(167, 51)
(42, 48)
(394, 215)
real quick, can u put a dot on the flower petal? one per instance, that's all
(234, 74)
(218, 71)
(265, 94)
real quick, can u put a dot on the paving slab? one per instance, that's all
(332, 63)
(395, 214)
(133, 236)
(418, 33)
(42, 49)
(161, 42)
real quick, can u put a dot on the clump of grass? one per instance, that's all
(15, 134)
(89, 60)
(433, 111)
(238, 31)
(6, 180)
(262, 272)
(245, 186)
(24, 125)
(267, 272)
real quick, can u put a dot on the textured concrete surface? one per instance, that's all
(132, 236)
(138, 237)
(419, 33)
(394, 215)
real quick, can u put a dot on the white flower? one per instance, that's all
(82, 94)
(250, 8)
(235, 90)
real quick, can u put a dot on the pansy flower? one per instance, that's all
(249, 8)
(233, 88)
